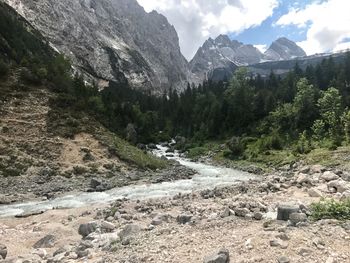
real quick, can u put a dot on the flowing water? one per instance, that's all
(207, 177)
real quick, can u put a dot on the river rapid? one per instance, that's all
(207, 177)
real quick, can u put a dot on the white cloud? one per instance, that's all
(327, 24)
(196, 20)
(262, 48)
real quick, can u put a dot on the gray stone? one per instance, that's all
(241, 212)
(296, 218)
(222, 256)
(107, 226)
(338, 186)
(274, 243)
(258, 216)
(283, 259)
(129, 231)
(184, 218)
(3, 251)
(46, 242)
(329, 176)
(285, 210)
(313, 192)
(87, 229)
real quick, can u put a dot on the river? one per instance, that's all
(207, 177)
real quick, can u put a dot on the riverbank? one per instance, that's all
(187, 228)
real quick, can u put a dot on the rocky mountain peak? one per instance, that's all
(283, 49)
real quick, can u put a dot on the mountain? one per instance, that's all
(283, 49)
(111, 40)
(217, 58)
(281, 67)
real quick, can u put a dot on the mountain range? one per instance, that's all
(118, 41)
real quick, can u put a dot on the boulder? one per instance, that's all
(296, 218)
(107, 226)
(46, 242)
(241, 212)
(285, 210)
(338, 186)
(184, 218)
(3, 251)
(329, 176)
(87, 229)
(222, 256)
(129, 231)
(303, 179)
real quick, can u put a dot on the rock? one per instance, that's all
(159, 219)
(258, 216)
(3, 251)
(46, 242)
(274, 243)
(346, 176)
(94, 183)
(87, 229)
(317, 169)
(329, 176)
(184, 218)
(313, 192)
(241, 212)
(338, 186)
(296, 218)
(40, 252)
(283, 259)
(285, 210)
(107, 226)
(226, 212)
(4, 200)
(283, 236)
(129, 231)
(29, 214)
(303, 179)
(152, 146)
(304, 251)
(222, 256)
(319, 243)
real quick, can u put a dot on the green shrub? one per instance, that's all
(331, 209)
(4, 69)
(303, 145)
(236, 146)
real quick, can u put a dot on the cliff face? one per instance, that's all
(111, 40)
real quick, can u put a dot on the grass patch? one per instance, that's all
(331, 209)
(131, 154)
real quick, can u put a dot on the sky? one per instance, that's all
(316, 25)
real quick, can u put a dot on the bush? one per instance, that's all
(236, 146)
(4, 69)
(303, 145)
(331, 209)
(29, 77)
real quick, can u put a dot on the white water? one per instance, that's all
(207, 177)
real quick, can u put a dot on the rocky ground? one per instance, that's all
(231, 224)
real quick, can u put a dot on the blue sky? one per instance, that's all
(315, 25)
(267, 32)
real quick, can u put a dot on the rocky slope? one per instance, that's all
(230, 224)
(111, 40)
(218, 58)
